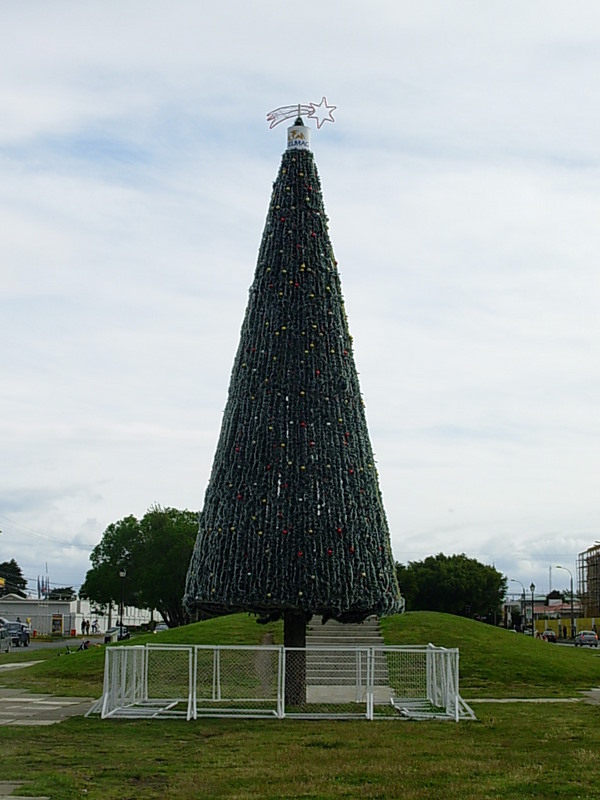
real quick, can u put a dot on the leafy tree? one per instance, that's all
(168, 539)
(454, 584)
(13, 580)
(115, 552)
(154, 552)
(293, 522)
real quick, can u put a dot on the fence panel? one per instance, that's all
(170, 679)
(326, 681)
(246, 681)
(237, 680)
(422, 684)
(124, 679)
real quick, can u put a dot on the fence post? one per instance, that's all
(358, 675)
(281, 683)
(145, 674)
(217, 673)
(191, 709)
(106, 687)
(370, 688)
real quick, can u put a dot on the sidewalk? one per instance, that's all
(591, 696)
(21, 707)
(8, 787)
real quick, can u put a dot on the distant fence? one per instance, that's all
(193, 681)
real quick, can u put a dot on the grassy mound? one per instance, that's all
(82, 673)
(493, 662)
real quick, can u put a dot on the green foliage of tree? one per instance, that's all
(454, 584)
(14, 582)
(116, 551)
(154, 552)
(168, 539)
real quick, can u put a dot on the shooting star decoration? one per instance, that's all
(321, 112)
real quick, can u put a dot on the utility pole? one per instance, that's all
(558, 566)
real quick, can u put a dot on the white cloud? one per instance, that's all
(462, 184)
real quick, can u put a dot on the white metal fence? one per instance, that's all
(192, 681)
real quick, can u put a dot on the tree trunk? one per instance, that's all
(294, 635)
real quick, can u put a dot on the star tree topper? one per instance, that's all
(321, 112)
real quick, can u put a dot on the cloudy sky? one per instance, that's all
(462, 182)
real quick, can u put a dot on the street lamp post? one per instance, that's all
(122, 575)
(514, 580)
(532, 589)
(566, 569)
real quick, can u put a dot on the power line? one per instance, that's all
(47, 538)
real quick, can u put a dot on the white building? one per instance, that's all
(65, 617)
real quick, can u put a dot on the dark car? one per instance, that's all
(549, 635)
(116, 634)
(586, 637)
(18, 633)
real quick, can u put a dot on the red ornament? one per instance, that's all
(352, 550)
(329, 551)
(300, 553)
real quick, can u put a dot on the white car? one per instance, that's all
(5, 640)
(586, 637)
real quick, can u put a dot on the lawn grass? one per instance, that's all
(495, 662)
(81, 673)
(513, 750)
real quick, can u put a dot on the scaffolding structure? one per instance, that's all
(588, 581)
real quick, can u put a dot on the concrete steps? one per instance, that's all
(329, 664)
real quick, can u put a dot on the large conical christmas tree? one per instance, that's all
(293, 522)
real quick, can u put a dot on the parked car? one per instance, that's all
(18, 633)
(5, 641)
(549, 635)
(586, 637)
(116, 634)
(162, 626)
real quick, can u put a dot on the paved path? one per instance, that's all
(20, 707)
(592, 697)
(8, 787)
